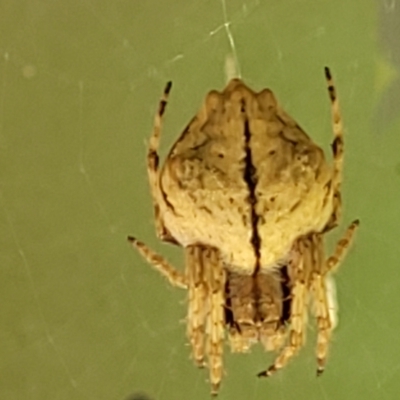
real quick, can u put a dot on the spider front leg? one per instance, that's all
(324, 323)
(322, 313)
(205, 325)
(298, 312)
(198, 306)
(216, 276)
(319, 289)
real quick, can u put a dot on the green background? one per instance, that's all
(82, 316)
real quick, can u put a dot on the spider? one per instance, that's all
(249, 196)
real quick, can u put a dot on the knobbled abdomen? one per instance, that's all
(244, 178)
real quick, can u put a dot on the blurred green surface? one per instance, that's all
(82, 316)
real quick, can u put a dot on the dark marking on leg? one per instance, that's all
(163, 102)
(337, 146)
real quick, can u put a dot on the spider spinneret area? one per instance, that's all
(249, 196)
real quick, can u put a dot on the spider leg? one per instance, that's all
(197, 302)
(342, 246)
(298, 312)
(174, 277)
(320, 290)
(215, 276)
(153, 164)
(321, 304)
(324, 323)
(271, 301)
(337, 150)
